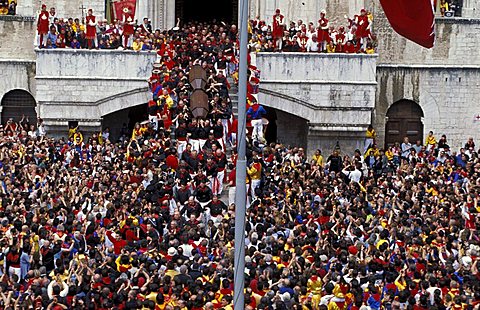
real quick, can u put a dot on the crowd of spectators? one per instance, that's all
(355, 36)
(265, 36)
(449, 8)
(8, 7)
(96, 223)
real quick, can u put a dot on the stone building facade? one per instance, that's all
(443, 82)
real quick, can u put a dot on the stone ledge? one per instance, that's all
(429, 67)
(93, 51)
(319, 55)
(318, 82)
(457, 20)
(17, 18)
(91, 78)
(17, 61)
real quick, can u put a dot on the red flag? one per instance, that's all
(121, 7)
(412, 19)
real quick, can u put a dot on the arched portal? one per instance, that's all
(123, 121)
(286, 128)
(16, 103)
(404, 120)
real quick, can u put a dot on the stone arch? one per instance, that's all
(18, 102)
(123, 100)
(404, 119)
(287, 104)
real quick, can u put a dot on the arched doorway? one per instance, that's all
(16, 103)
(404, 120)
(124, 120)
(290, 129)
(206, 10)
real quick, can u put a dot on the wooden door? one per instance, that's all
(404, 120)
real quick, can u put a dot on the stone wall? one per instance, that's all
(456, 43)
(17, 35)
(17, 74)
(63, 8)
(85, 85)
(335, 93)
(448, 96)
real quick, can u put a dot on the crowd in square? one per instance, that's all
(140, 222)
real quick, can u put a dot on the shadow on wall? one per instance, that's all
(124, 120)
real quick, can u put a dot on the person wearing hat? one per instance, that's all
(43, 26)
(128, 28)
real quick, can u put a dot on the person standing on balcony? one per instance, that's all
(322, 33)
(128, 28)
(363, 28)
(91, 35)
(43, 26)
(278, 28)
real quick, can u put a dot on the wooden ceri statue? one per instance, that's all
(199, 98)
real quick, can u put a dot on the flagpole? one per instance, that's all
(241, 174)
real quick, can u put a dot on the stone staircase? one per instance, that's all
(233, 93)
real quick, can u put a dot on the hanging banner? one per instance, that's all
(122, 7)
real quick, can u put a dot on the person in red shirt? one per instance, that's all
(278, 28)
(117, 241)
(91, 35)
(43, 26)
(128, 29)
(322, 34)
(363, 27)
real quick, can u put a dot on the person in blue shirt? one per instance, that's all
(255, 113)
(52, 37)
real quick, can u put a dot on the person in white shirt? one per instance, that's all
(354, 175)
(312, 44)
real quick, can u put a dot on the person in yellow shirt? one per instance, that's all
(317, 158)
(370, 49)
(255, 174)
(430, 142)
(137, 45)
(330, 47)
(443, 7)
(370, 136)
(166, 99)
(389, 153)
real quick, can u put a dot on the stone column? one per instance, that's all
(142, 10)
(169, 14)
(471, 8)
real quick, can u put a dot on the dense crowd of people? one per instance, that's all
(265, 36)
(320, 36)
(140, 222)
